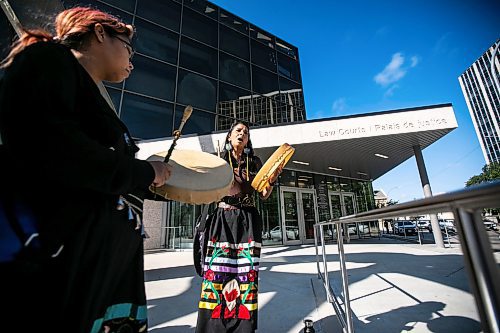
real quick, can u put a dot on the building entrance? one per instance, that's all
(299, 214)
(342, 204)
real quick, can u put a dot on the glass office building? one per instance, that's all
(194, 52)
(482, 95)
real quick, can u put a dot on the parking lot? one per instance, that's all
(450, 238)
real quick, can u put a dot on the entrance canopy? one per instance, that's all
(362, 147)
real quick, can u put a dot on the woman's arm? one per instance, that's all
(46, 131)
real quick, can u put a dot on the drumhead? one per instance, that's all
(279, 158)
(197, 177)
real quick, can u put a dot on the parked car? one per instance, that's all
(363, 228)
(490, 225)
(292, 233)
(424, 224)
(448, 224)
(405, 228)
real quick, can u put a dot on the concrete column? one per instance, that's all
(426, 186)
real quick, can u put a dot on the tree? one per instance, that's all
(490, 173)
(391, 202)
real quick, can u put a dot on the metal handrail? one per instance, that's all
(480, 264)
(175, 229)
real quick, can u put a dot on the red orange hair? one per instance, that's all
(73, 27)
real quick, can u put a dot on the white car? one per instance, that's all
(405, 228)
(292, 232)
(490, 225)
(424, 224)
(363, 229)
(448, 224)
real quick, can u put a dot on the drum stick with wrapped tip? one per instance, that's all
(177, 133)
(185, 116)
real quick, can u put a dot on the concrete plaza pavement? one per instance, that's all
(394, 286)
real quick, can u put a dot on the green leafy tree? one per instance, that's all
(490, 173)
(391, 202)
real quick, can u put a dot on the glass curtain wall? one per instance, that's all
(193, 52)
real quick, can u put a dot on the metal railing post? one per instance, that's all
(447, 236)
(316, 247)
(345, 282)
(484, 273)
(325, 266)
(481, 267)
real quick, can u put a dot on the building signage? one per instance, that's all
(382, 128)
(368, 125)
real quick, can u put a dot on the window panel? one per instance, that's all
(262, 36)
(35, 14)
(198, 57)
(166, 12)
(147, 118)
(115, 95)
(196, 90)
(152, 78)
(117, 85)
(286, 48)
(263, 56)
(200, 122)
(333, 183)
(233, 21)
(234, 103)
(264, 81)
(224, 123)
(199, 27)
(288, 178)
(286, 85)
(127, 5)
(202, 7)
(288, 67)
(234, 71)
(230, 93)
(156, 42)
(234, 42)
(127, 18)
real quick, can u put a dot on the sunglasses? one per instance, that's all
(128, 46)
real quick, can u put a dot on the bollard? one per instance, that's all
(308, 326)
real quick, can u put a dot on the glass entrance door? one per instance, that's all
(309, 215)
(299, 211)
(349, 203)
(342, 204)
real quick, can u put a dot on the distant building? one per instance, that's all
(482, 95)
(381, 198)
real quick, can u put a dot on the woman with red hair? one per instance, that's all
(74, 261)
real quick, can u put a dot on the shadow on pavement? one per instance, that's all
(291, 294)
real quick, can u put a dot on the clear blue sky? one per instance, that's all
(344, 45)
